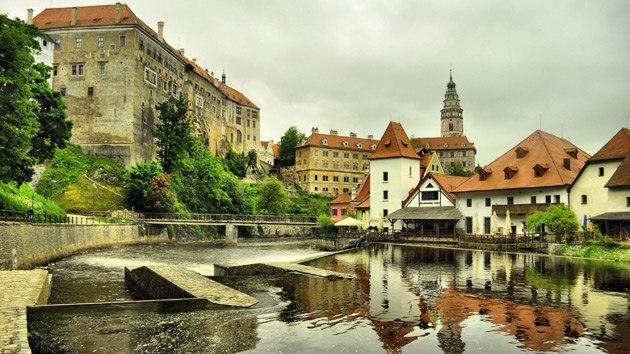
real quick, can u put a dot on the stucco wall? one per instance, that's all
(23, 246)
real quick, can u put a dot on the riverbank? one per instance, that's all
(596, 251)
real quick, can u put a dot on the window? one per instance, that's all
(469, 225)
(198, 101)
(346, 190)
(346, 179)
(141, 45)
(450, 127)
(253, 124)
(355, 179)
(325, 164)
(334, 212)
(346, 155)
(100, 42)
(355, 156)
(335, 178)
(316, 177)
(122, 40)
(239, 136)
(78, 42)
(335, 165)
(248, 123)
(486, 225)
(325, 178)
(628, 201)
(346, 166)
(365, 156)
(238, 109)
(385, 212)
(150, 76)
(344, 211)
(90, 91)
(430, 195)
(325, 153)
(385, 176)
(488, 202)
(335, 153)
(548, 199)
(385, 195)
(254, 137)
(510, 200)
(254, 114)
(469, 202)
(584, 199)
(63, 91)
(601, 171)
(55, 70)
(101, 68)
(77, 70)
(556, 198)
(533, 199)
(355, 166)
(409, 171)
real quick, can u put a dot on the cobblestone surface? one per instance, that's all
(18, 289)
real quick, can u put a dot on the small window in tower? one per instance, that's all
(90, 91)
(450, 127)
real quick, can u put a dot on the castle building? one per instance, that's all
(331, 164)
(452, 146)
(113, 69)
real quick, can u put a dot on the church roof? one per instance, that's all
(541, 160)
(394, 143)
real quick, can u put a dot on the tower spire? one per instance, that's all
(452, 119)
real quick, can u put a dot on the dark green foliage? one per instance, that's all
(252, 159)
(54, 129)
(291, 138)
(236, 163)
(559, 218)
(309, 204)
(173, 133)
(18, 113)
(273, 197)
(457, 169)
(204, 185)
(147, 188)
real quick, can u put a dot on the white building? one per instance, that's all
(601, 192)
(47, 45)
(534, 174)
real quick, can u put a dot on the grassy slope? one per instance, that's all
(596, 251)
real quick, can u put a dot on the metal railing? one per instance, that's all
(94, 218)
(219, 218)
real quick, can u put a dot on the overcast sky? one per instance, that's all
(562, 65)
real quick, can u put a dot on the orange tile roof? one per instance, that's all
(345, 198)
(543, 149)
(394, 143)
(621, 177)
(618, 147)
(443, 143)
(363, 192)
(105, 15)
(425, 159)
(336, 142)
(364, 205)
(448, 183)
(276, 151)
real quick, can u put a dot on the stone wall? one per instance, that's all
(23, 246)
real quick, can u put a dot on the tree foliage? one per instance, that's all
(173, 133)
(236, 163)
(291, 138)
(457, 169)
(560, 219)
(273, 197)
(22, 96)
(147, 188)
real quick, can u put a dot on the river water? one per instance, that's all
(405, 299)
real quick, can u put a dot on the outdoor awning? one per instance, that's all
(615, 216)
(349, 222)
(426, 213)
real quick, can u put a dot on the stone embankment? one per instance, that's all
(19, 289)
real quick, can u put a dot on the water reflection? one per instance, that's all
(403, 299)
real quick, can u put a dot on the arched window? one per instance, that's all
(239, 136)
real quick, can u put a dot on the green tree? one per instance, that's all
(252, 159)
(457, 169)
(147, 188)
(54, 129)
(174, 133)
(291, 138)
(236, 163)
(560, 219)
(18, 112)
(273, 197)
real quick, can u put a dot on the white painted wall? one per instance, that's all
(403, 176)
(441, 201)
(599, 199)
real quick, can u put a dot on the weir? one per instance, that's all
(174, 282)
(278, 268)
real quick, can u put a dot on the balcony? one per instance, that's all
(522, 209)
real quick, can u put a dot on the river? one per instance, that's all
(403, 299)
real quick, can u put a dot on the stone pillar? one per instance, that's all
(231, 234)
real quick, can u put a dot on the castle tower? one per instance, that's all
(452, 120)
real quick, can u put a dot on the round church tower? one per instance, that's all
(452, 118)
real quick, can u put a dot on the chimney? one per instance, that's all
(117, 18)
(567, 164)
(370, 136)
(194, 60)
(314, 130)
(29, 16)
(353, 135)
(223, 78)
(181, 50)
(73, 19)
(161, 31)
(333, 132)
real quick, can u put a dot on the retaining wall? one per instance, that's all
(23, 246)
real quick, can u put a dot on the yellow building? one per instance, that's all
(332, 164)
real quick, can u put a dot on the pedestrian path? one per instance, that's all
(18, 289)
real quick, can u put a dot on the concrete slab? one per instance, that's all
(173, 282)
(277, 268)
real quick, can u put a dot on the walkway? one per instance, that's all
(18, 289)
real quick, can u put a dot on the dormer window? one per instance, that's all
(463, 144)
(404, 143)
(484, 174)
(325, 141)
(540, 169)
(359, 146)
(521, 152)
(373, 146)
(388, 142)
(572, 152)
(510, 171)
(344, 143)
(445, 145)
(427, 146)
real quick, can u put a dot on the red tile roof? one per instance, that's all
(105, 15)
(363, 192)
(394, 143)
(448, 183)
(364, 205)
(337, 142)
(276, 151)
(621, 177)
(616, 148)
(443, 143)
(543, 149)
(342, 199)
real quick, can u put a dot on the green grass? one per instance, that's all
(603, 252)
(22, 198)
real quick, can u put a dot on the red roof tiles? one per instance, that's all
(337, 142)
(443, 143)
(616, 148)
(394, 143)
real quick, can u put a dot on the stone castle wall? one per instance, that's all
(24, 246)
